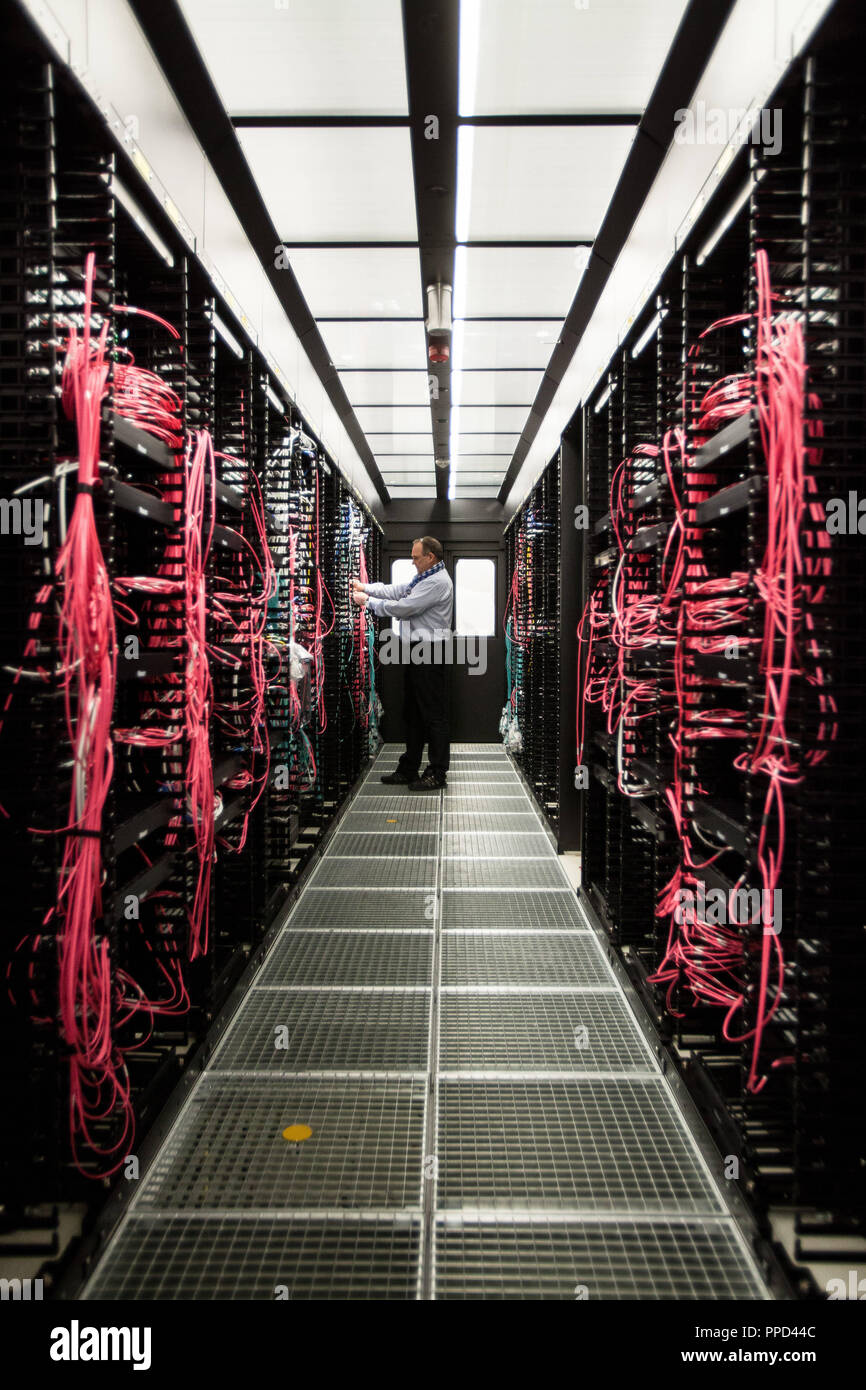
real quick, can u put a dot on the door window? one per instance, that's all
(475, 598)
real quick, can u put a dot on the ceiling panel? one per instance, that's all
(536, 182)
(384, 388)
(305, 58)
(374, 344)
(509, 343)
(495, 388)
(562, 56)
(494, 462)
(475, 491)
(487, 444)
(420, 481)
(488, 419)
(361, 282)
(385, 419)
(404, 492)
(520, 280)
(335, 184)
(470, 478)
(418, 444)
(407, 463)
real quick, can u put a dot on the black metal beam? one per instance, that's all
(276, 121)
(431, 38)
(290, 245)
(176, 51)
(687, 57)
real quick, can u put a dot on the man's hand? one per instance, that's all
(357, 586)
(359, 597)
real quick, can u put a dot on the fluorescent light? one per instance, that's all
(604, 398)
(465, 154)
(457, 347)
(454, 451)
(125, 198)
(648, 333)
(276, 402)
(456, 378)
(459, 303)
(709, 246)
(227, 336)
(470, 34)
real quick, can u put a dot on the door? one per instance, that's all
(478, 676)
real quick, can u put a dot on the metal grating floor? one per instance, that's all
(374, 872)
(470, 801)
(365, 842)
(575, 1032)
(502, 873)
(486, 1119)
(482, 822)
(392, 822)
(228, 1150)
(349, 956)
(324, 908)
(593, 1145)
(550, 910)
(517, 958)
(294, 1030)
(533, 845)
(237, 1257)
(602, 1260)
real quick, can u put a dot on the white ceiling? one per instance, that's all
(537, 183)
(386, 388)
(516, 183)
(507, 280)
(303, 57)
(308, 59)
(359, 282)
(335, 184)
(370, 343)
(496, 387)
(565, 56)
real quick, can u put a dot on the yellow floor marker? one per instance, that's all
(296, 1134)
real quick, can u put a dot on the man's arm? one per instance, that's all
(420, 599)
(379, 591)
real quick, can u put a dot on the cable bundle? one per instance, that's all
(200, 469)
(88, 645)
(710, 956)
(143, 397)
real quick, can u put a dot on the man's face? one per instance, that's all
(421, 560)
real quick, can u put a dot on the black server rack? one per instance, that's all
(719, 669)
(175, 742)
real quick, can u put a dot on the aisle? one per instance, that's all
(487, 1119)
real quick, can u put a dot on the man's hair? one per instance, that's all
(431, 545)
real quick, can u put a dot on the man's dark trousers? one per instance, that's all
(426, 690)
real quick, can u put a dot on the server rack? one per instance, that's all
(532, 631)
(678, 801)
(61, 206)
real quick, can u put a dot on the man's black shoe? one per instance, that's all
(430, 782)
(396, 779)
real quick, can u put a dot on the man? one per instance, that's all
(427, 603)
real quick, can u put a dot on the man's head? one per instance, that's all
(426, 553)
